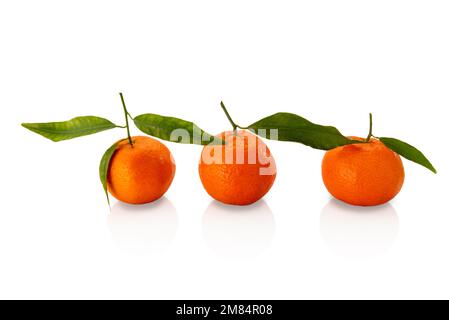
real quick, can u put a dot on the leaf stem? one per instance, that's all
(370, 134)
(126, 118)
(234, 125)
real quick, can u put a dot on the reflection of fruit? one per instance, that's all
(359, 232)
(140, 173)
(146, 228)
(252, 229)
(240, 172)
(365, 174)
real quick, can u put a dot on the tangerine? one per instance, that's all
(239, 172)
(365, 174)
(141, 172)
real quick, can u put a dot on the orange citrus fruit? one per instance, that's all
(239, 172)
(365, 174)
(142, 172)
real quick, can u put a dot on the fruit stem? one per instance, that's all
(126, 118)
(370, 134)
(234, 125)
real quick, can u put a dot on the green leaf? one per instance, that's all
(173, 129)
(104, 167)
(291, 127)
(65, 130)
(409, 152)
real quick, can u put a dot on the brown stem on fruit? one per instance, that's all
(370, 135)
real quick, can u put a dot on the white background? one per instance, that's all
(330, 61)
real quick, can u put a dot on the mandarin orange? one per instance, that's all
(142, 172)
(240, 172)
(365, 174)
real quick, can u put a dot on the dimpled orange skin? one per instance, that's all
(141, 173)
(367, 174)
(238, 183)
